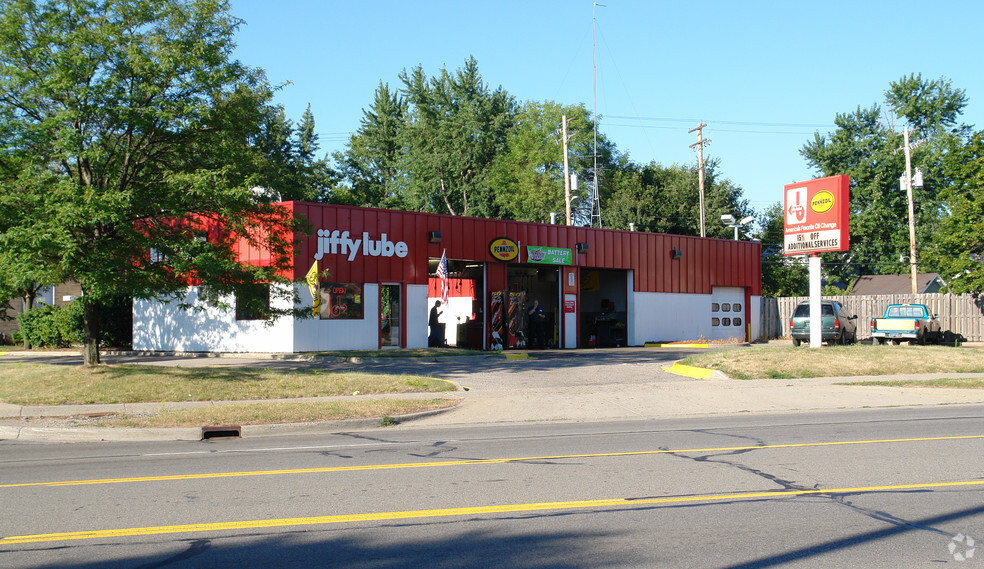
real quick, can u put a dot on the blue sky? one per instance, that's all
(764, 76)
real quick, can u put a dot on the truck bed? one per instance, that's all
(895, 324)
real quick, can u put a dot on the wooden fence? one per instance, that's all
(960, 314)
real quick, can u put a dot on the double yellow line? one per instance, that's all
(466, 511)
(445, 464)
(446, 512)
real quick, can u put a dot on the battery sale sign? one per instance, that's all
(816, 216)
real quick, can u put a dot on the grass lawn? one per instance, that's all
(759, 362)
(25, 383)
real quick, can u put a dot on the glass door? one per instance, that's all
(389, 315)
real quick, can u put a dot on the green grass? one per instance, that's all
(760, 362)
(25, 383)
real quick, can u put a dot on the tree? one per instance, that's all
(287, 165)
(866, 146)
(959, 250)
(456, 128)
(665, 199)
(125, 127)
(781, 275)
(529, 175)
(371, 163)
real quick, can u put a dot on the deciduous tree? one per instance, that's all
(868, 147)
(119, 118)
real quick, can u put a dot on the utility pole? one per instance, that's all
(567, 175)
(912, 216)
(701, 141)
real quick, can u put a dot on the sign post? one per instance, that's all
(817, 218)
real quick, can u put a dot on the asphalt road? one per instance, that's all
(868, 488)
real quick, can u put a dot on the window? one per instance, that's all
(253, 302)
(727, 322)
(342, 301)
(725, 307)
(736, 321)
(736, 307)
(715, 307)
(715, 321)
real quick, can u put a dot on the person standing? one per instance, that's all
(436, 338)
(536, 318)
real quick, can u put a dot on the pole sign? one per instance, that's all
(816, 216)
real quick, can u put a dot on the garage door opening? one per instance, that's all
(526, 285)
(604, 308)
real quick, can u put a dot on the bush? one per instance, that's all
(52, 326)
(61, 326)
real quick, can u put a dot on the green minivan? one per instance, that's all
(838, 326)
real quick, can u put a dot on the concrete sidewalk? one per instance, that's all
(555, 386)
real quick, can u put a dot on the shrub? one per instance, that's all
(61, 326)
(52, 326)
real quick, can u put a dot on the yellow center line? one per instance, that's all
(328, 469)
(465, 511)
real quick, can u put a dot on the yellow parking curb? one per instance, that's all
(690, 371)
(651, 345)
(522, 356)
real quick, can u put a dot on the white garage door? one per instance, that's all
(728, 313)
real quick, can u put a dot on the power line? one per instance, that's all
(652, 127)
(736, 123)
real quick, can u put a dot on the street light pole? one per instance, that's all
(729, 220)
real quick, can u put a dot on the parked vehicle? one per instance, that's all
(837, 325)
(912, 322)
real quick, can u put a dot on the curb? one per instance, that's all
(690, 371)
(653, 345)
(164, 434)
(99, 434)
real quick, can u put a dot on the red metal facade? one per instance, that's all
(699, 265)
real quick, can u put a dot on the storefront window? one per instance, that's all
(341, 301)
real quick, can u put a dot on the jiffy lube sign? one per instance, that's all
(335, 242)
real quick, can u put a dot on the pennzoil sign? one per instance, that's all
(504, 249)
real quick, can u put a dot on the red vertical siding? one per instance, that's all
(704, 263)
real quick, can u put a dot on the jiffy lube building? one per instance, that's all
(369, 278)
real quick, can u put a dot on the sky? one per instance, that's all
(764, 76)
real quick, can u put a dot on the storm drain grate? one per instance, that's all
(222, 432)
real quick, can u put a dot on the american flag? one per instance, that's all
(442, 273)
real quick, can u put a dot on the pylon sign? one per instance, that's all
(816, 216)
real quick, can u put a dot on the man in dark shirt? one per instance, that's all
(436, 338)
(536, 321)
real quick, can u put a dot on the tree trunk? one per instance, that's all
(90, 332)
(26, 306)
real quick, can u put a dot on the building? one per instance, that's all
(378, 283)
(867, 285)
(58, 295)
